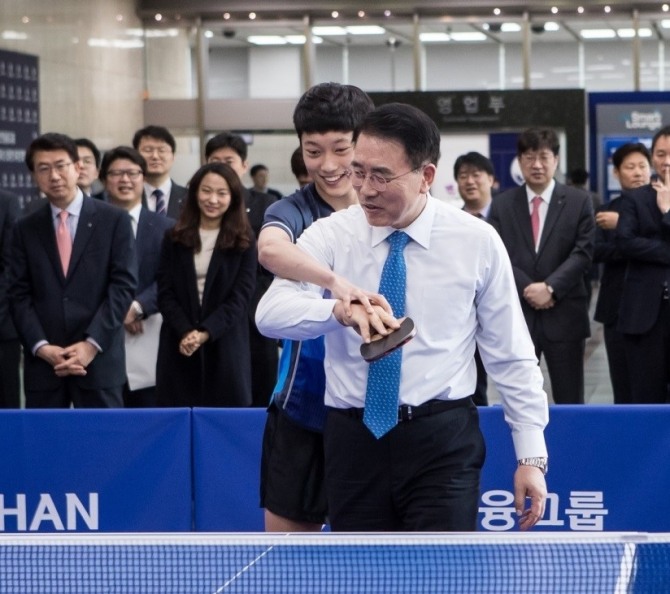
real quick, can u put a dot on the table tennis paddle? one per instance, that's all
(383, 345)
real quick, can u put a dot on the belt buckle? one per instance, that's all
(405, 413)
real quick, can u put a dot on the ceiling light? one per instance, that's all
(665, 23)
(25, 20)
(597, 33)
(580, 9)
(14, 35)
(468, 36)
(252, 16)
(628, 33)
(119, 18)
(607, 9)
(226, 16)
(552, 26)
(361, 14)
(387, 13)
(267, 40)
(665, 7)
(158, 17)
(434, 37)
(301, 39)
(554, 10)
(334, 14)
(365, 30)
(209, 34)
(510, 27)
(329, 31)
(496, 11)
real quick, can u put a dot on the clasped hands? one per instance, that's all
(538, 296)
(192, 341)
(70, 360)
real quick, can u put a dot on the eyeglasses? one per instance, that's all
(464, 176)
(377, 182)
(60, 168)
(529, 158)
(150, 150)
(133, 174)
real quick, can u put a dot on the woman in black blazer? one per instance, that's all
(206, 281)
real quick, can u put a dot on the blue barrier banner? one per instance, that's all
(606, 470)
(91, 470)
(226, 469)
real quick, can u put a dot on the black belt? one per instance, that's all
(409, 413)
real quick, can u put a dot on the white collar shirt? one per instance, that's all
(460, 293)
(544, 205)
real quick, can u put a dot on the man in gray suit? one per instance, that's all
(548, 230)
(163, 195)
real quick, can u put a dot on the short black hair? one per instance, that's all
(298, 163)
(331, 107)
(121, 152)
(664, 131)
(85, 142)
(629, 148)
(535, 139)
(409, 126)
(256, 168)
(226, 140)
(476, 160)
(158, 132)
(51, 141)
(578, 176)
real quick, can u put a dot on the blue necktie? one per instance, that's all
(160, 202)
(381, 398)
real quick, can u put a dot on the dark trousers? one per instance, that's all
(264, 363)
(10, 384)
(565, 363)
(648, 358)
(421, 476)
(618, 364)
(71, 393)
(143, 398)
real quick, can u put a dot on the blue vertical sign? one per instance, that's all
(19, 121)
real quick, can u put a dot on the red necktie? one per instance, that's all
(64, 240)
(535, 219)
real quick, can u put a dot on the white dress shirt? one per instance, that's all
(460, 292)
(166, 188)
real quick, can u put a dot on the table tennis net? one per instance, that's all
(194, 563)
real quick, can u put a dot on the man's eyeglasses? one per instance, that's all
(133, 174)
(150, 150)
(529, 158)
(377, 182)
(60, 168)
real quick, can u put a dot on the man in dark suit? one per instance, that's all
(122, 173)
(72, 277)
(231, 149)
(474, 175)
(548, 230)
(163, 195)
(643, 236)
(632, 167)
(10, 347)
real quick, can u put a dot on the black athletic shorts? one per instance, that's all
(292, 470)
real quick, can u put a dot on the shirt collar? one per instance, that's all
(419, 229)
(134, 212)
(74, 208)
(546, 195)
(165, 188)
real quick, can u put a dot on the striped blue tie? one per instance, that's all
(381, 397)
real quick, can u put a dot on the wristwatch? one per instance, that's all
(550, 289)
(539, 462)
(137, 308)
